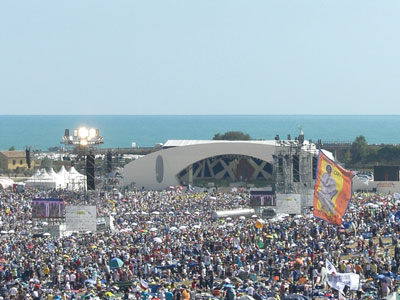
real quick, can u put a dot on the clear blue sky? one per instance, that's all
(200, 57)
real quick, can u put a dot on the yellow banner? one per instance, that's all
(332, 191)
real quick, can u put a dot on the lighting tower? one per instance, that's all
(85, 140)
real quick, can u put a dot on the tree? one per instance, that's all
(232, 136)
(12, 148)
(359, 149)
(389, 153)
(347, 157)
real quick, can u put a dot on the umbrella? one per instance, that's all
(3, 232)
(197, 226)
(183, 227)
(173, 228)
(242, 218)
(246, 297)
(46, 234)
(155, 213)
(157, 240)
(90, 281)
(116, 263)
(254, 216)
(372, 205)
(153, 229)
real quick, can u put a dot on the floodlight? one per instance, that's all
(92, 133)
(83, 132)
(83, 136)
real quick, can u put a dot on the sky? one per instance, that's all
(199, 57)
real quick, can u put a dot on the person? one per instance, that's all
(230, 294)
(327, 191)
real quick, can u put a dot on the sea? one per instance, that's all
(41, 132)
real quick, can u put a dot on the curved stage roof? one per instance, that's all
(160, 169)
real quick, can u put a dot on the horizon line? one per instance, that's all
(368, 114)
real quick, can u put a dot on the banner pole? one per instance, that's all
(312, 271)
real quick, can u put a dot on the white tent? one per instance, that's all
(63, 179)
(44, 180)
(63, 173)
(5, 183)
(52, 174)
(43, 175)
(76, 181)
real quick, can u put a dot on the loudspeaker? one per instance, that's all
(109, 162)
(90, 163)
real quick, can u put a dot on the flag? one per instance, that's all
(143, 284)
(332, 191)
(330, 268)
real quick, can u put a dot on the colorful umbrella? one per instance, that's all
(116, 263)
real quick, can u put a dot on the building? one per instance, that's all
(182, 162)
(10, 160)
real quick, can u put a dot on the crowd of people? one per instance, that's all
(167, 245)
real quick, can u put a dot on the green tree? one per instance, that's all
(359, 149)
(232, 136)
(12, 148)
(347, 157)
(389, 153)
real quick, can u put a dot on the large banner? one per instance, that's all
(80, 218)
(47, 208)
(288, 204)
(332, 191)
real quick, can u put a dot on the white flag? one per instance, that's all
(330, 268)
